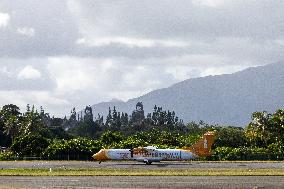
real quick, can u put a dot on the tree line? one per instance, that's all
(34, 133)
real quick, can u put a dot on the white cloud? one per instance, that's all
(279, 42)
(105, 79)
(4, 19)
(29, 72)
(220, 70)
(210, 3)
(4, 70)
(131, 42)
(84, 52)
(83, 81)
(120, 40)
(51, 103)
(26, 31)
(73, 74)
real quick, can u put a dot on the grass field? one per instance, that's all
(142, 172)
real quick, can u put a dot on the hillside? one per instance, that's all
(225, 99)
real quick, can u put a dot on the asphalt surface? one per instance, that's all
(251, 182)
(138, 165)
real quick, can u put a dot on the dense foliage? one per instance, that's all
(78, 148)
(34, 134)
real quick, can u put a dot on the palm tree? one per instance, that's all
(12, 127)
(10, 117)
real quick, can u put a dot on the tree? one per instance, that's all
(45, 117)
(109, 138)
(32, 123)
(113, 120)
(5, 140)
(276, 126)
(30, 145)
(86, 127)
(71, 122)
(78, 148)
(109, 119)
(194, 128)
(138, 114)
(230, 137)
(258, 129)
(88, 114)
(10, 118)
(116, 120)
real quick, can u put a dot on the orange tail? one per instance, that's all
(203, 147)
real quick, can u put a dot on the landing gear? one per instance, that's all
(148, 162)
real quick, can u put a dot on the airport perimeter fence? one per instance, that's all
(72, 156)
(239, 155)
(66, 157)
(247, 157)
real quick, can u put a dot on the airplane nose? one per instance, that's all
(95, 156)
(100, 156)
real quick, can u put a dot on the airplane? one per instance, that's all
(151, 154)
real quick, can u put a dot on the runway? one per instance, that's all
(133, 164)
(251, 182)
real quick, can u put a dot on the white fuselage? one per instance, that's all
(201, 148)
(150, 155)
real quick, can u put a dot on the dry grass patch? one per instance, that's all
(143, 172)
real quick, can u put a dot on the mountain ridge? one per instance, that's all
(227, 99)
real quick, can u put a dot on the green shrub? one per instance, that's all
(7, 155)
(79, 148)
(245, 153)
(30, 145)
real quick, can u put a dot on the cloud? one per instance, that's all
(74, 52)
(210, 3)
(25, 75)
(29, 72)
(142, 29)
(87, 80)
(131, 42)
(51, 103)
(26, 31)
(102, 79)
(181, 19)
(4, 19)
(48, 25)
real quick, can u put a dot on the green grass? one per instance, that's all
(142, 172)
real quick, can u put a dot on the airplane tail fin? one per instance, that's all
(202, 148)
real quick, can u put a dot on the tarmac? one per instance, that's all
(138, 165)
(250, 182)
(245, 182)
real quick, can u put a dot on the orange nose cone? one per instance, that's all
(101, 155)
(94, 156)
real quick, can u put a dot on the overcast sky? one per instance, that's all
(61, 54)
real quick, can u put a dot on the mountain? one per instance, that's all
(228, 99)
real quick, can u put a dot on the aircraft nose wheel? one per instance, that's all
(148, 162)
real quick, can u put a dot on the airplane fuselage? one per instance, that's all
(150, 154)
(144, 155)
